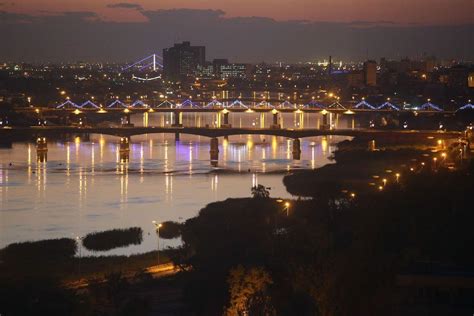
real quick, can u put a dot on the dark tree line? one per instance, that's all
(333, 254)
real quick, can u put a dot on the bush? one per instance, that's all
(110, 239)
(50, 249)
(170, 230)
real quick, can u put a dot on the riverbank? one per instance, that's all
(361, 166)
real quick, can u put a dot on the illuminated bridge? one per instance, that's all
(215, 105)
(41, 133)
(152, 63)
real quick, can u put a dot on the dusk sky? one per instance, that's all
(242, 30)
(399, 11)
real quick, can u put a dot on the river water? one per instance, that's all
(84, 186)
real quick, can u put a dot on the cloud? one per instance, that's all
(369, 24)
(184, 15)
(72, 36)
(8, 17)
(73, 17)
(125, 5)
(68, 17)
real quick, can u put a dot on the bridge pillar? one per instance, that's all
(469, 133)
(126, 119)
(351, 122)
(276, 120)
(41, 149)
(466, 150)
(64, 119)
(372, 145)
(373, 119)
(226, 124)
(296, 149)
(81, 120)
(177, 119)
(214, 152)
(325, 126)
(124, 149)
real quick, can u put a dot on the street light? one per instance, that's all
(157, 227)
(287, 208)
(79, 244)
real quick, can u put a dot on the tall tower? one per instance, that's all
(330, 66)
(370, 73)
(182, 60)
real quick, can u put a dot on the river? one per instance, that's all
(84, 186)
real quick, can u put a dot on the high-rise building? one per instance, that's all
(182, 60)
(370, 73)
(330, 66)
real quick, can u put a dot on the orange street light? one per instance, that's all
(157, 227)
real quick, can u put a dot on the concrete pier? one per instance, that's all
(276, 120)
(296, 149)
(124, 151)
(214, 151)
(41, 149)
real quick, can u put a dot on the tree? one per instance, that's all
(260, 192)
(248, 292)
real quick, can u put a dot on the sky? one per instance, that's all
(398, 11)
(242, 30)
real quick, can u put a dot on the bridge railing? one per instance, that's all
(215, 104)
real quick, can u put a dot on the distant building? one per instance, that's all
(427, 65)
(233, 71)
(458, 77)
(217, 64)
(182, 60)
(470, 80)
(355, 79)
(205, 71)
(370, 73)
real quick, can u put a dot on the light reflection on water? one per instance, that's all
(85, 186)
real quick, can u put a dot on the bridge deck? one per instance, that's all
(220, 132)
(131, 110)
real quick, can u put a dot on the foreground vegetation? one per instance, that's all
(59, 267)
(333, 254)
(110, 239)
